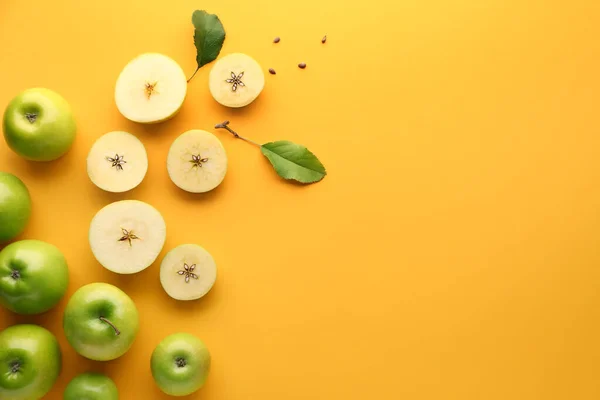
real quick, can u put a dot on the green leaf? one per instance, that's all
(209, 36)
(293, 161)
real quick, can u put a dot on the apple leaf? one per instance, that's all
(294, 161)
(209, 36)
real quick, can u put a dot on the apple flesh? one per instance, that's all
(101, 322)
(30, 362)
(15, 206)
(91, 386)
(33, 276)
(39, 125)
(180, 364)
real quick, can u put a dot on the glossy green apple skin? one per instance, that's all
(91, 336)
(30, 362)
(33, 276)
(15, 206)
(180, 364)
(49, 131)
(91, 386)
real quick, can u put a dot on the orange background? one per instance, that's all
(451, 252)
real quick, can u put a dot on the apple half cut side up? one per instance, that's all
(127, 236)
(117, 162)
(188, 272)
(236, 80)
(150, 89)
(197, 161)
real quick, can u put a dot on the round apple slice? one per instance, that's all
(150, 89)
(117, 162)
(236, 80)
(188, 272)
(197, 161)
(127, 236)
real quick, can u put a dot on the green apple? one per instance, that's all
(101, 322)
(33, 276)
(30, 362)
(15, 206)
(91, 386)
(39, 125)
(180, 364)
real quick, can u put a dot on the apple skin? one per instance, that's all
(93, 337)
(49, 131)
(15, 206)
(33, 276)
(34, 352)
(180, 364)
(91, 386)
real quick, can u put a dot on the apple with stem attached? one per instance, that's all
(180, 364)
(91, 386)
(39, 125)
(33, 276)
(15, 206)
(101, 321)
(30, 362)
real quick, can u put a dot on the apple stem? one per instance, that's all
(117, 332)
(225, 125)
(193, 75)
(15, 274)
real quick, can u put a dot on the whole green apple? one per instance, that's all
(39, 125)
(33, 276)
(15, 206)
(30, 362)
(101, 321)
(91, 386)
(180, 364)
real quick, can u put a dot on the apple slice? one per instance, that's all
(117, 162)
(127, 236)
(150, 89)
(197, 161)
(188, 272)
(236, 80)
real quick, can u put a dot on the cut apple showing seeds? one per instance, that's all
(117, 162)
(197, 161)
(150, 89)
(127, 236)
(236, 80)
(188, 272)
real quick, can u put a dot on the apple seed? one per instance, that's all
(127, 235)
(150, 89)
